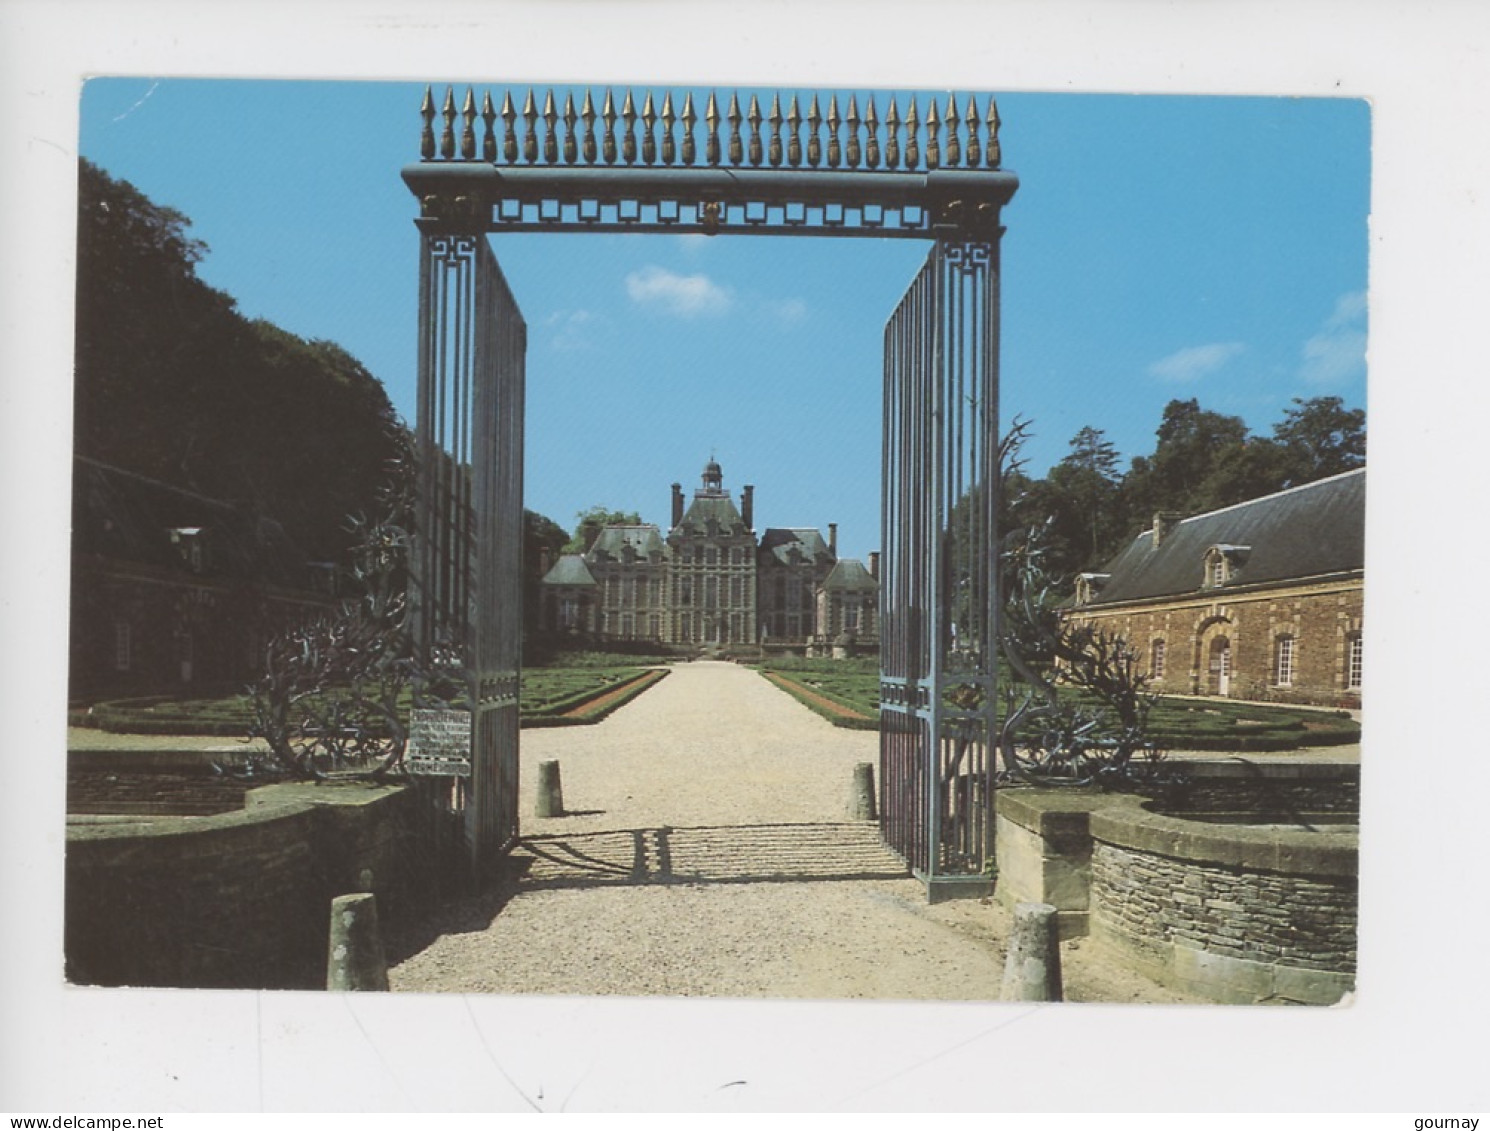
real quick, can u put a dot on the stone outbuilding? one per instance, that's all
(1261, 600)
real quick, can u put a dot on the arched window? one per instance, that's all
(1283, 661)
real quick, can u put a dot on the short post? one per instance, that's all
(861, 806)
(355, 958)
(550, 790)
(1032, 971)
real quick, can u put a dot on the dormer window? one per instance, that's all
(1223, 564)
(1089, 586)
(190, 544)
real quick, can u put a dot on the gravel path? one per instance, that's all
(707, 851)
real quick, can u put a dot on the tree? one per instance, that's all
(589, 523)
(1084, 494)
(543, 541)
(1320, 437)
(174, 384)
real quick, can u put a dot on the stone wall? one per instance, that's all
(241, 899)
(1239, 913)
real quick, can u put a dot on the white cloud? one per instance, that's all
(1338, 352)
(567, 330)
(683, 295)
(1195, 362)
(787, 311)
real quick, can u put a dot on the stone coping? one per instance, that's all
(267, 803)
(1244, 767)
(1130, 823)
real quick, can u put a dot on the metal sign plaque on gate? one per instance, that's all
(439, 742)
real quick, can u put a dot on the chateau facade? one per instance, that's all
(711, 581)
(1262, 600)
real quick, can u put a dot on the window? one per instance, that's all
(851, 618)
(1283, 665)
(1216, 573)
(121, 645)
(1156, 660)
(1353, 662)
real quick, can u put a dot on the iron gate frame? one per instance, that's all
(930, 174)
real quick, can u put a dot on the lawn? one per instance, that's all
(1175, 724)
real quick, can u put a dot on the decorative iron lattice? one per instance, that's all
(939, 600)
(466, 579)
(763, 166)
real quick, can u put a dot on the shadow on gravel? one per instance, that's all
(711, 855)
(724, 854)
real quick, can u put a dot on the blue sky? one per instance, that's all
(1158, 247)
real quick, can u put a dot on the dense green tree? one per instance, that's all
(1086, 504)
(589, 523)
(1321, 437)
(173, 383)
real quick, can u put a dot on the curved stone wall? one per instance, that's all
(1238, 913)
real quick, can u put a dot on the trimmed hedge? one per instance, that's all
(623, 693)
(139, 715)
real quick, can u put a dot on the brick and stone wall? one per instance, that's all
(1322, 620)
(240, 899)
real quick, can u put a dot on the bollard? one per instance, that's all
(1032, 971)
(550, 791)
(861, 806)
(355, 958)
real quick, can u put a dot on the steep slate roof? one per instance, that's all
(706, 506)
(1309, 531)
(570, 569)
(850, 573)
(645, 540)
(780, 540)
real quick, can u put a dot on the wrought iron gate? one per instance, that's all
(929, 172)
(466, 583)
(939, 588)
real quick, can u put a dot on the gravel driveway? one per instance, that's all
(707, 851)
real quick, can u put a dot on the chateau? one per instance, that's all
(711, 581)
(1262, 600)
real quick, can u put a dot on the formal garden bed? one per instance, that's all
(846, 693)
(583, 689)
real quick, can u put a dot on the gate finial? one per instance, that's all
(689, 117)
(755, 131)
(814, 148)
(427, 132)
(793, 144)
(447, 135)
(608, 116)
(550, 134)
(530, 138)
(571, 144)
(628, 139)
(668, 150)
(649, 143)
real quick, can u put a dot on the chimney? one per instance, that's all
(833, 538)
(874, 564)
(677, 503)
(545, 561)
(747, 506)
(1164, 524)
